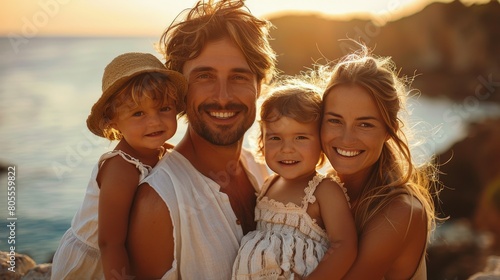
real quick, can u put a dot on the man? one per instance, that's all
(196, 205)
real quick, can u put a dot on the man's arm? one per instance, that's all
(150, 241)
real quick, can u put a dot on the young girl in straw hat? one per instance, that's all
(138, 107)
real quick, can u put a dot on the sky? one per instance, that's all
(29, 18)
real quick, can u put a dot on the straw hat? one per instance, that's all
(118, 72)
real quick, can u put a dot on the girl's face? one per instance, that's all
(291, 148)
(146, 126)
(353, 131)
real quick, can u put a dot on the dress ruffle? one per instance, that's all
(287, 239)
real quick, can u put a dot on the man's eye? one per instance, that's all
(203, 76)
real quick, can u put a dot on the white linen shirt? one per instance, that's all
(206, 234)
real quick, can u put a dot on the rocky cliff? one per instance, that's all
(455, 49)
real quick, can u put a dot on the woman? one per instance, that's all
(362, 137)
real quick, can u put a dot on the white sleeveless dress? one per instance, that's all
(78, 256)
(287, 239)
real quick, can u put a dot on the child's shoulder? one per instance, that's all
(331, 187)
(118, 159)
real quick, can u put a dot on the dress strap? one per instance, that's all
(309, 197)
(144, 169)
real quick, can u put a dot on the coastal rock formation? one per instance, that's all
(22, 267)
(453, 48)
(471, 199)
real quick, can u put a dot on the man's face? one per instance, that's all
(222, 93)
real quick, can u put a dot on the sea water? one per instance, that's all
(47, 87)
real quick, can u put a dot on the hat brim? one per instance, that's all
(97, 111)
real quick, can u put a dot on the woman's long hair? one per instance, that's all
(394, 173)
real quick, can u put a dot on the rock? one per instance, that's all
(453, 46)
(468, 168)
(14, 267)
(491, 271)
(39, 272)
(487, 215)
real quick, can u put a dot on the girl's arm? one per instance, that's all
(118, 182)
(339, 224)
(397, 230)
(150, 240)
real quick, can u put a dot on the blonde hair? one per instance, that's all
(210, 21)
(155, 86)
(394, 172)
(292, 98)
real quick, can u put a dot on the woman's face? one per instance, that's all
(352, 132)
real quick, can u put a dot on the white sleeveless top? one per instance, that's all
(206, 233)
(78, 255)
(286, 240)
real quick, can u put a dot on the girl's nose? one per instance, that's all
(154, 118)
(287, 146)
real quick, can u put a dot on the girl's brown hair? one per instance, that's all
(155, 86)
(293, 98)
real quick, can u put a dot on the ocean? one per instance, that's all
(47, 87)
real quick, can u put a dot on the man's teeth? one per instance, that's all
(222, 115)
(348, 153)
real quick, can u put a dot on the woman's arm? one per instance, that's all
(392, 243)
(118, 182)
(337, 219)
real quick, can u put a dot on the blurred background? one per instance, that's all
(53, 52)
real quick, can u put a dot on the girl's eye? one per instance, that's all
(138, 114)
(273, 138)
(301, 137)
(165, 109)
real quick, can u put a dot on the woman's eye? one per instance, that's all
(366, 125)
(301, 137)
(334, 121)
(138, 114)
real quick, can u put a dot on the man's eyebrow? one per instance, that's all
(202, 69)
(243, 70)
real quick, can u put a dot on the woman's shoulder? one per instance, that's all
(404, 214)
(404, 204)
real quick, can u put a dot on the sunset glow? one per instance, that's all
(151, 17)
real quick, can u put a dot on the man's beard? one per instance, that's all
(224, 135)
